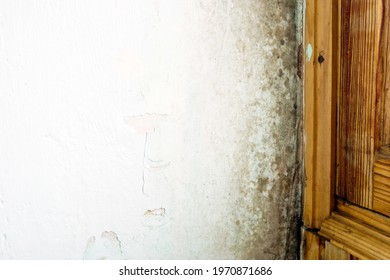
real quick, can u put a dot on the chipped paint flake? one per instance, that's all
(107, 247)
(155, 212)
(309, 52)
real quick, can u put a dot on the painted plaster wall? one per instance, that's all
(148, 129)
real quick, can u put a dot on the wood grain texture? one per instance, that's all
(370, 218)
(356, 32)
(332, 252)
(381, 189)
(382, 120)
(313, 246)
(361, 25)
(320, 110)
(360, 232)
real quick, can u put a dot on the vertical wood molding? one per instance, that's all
(381, 187)
(382, 119)
(320, 59)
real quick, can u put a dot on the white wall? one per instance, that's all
(146, 129)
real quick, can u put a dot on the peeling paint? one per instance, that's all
(155, 212)
(107, 247)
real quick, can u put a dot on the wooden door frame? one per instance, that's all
(331, 229)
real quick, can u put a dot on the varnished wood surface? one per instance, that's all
(316, 247)
(352, 35)
(331, 252)
(320, 110)
(361, 29)
(381, 189)
(360, 232)
(382, 120)
(370, 218)
(313, 246)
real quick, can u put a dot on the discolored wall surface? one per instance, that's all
(149, 129)
(268, 162)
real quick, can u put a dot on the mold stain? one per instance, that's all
(268, 205)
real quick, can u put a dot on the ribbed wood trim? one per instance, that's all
(360, 232)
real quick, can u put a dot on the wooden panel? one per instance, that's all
(361, 22)
(361, 233)
(319, 112)
(332, 252)
(381, 189)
